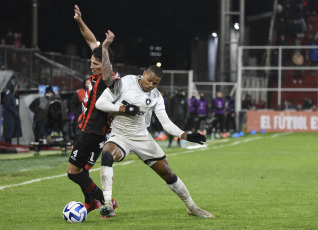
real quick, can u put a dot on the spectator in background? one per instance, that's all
(17, 40)
(313, 55)
(39, 107)
(218, 107)
(308, 103)
(202, 113)
(76, 104)
(11, 117)
(192, 105)
(230, 114)
(247, 102)
(298, 61)
(288, 105)
(299, 107)
(281, 28)
(9, 38)
(260, 104)
(178, 112)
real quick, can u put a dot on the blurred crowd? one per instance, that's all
(55, 116)
(297, 24)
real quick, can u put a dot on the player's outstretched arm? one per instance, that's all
(85, 31)
(107, 69)
(174, 130)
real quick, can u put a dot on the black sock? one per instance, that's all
(88, 197)
(87, 185)
(97, 193)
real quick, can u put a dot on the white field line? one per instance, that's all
(195, 149)
(57, 176)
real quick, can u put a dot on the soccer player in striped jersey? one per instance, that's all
(132, 101)
(93, 123)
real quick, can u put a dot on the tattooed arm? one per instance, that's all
(107, 69)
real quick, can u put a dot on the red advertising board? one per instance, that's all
(280, 121)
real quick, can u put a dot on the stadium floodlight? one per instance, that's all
(158, 64)
(98, 43)
(214, 34)
(236, 26)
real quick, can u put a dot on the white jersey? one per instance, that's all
(135, 127)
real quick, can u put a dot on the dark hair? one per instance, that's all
(98, 54)
(156, 70)
(49, 89)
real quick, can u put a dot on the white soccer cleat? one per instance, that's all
(196, 211)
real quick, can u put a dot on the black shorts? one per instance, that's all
(86, 150)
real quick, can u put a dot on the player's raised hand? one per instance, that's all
(78, 14)
(196, 137)
(110, 36)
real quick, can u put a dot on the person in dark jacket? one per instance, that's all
(192, 105)
(11, 117)
(39, 106)
(230, 114)
(178, 112)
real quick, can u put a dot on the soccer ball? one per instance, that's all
(75, 212)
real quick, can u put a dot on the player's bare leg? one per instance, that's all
(175, 184)
(110, 153)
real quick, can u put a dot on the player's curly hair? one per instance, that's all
(156, 70)
(97, 53)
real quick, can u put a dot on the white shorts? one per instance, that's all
(147, 150)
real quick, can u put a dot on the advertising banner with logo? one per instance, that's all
(281, 121)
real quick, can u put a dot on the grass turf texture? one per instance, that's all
(263, 181)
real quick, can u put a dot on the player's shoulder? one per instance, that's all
(156, 95)
(129, 78)
(125, 81)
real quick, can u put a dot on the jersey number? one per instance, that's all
(92, 157)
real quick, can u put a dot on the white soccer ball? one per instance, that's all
(75, 212)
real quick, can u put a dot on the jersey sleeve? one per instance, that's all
(166, 123)
(105, 102)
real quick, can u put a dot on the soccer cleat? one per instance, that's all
(196, 211)
(108, 210)
(92, 206)
(115, 204)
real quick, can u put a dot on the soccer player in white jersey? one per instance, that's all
(132, 101)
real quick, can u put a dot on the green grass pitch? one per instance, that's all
(263, 181)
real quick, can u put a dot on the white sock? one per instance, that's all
(107, 176)
(180, 189)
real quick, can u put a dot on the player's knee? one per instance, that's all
(72, 176)
(172, 179)
(107, 159)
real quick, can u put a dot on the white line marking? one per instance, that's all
(53, 177)
(204, 147)
(196, 146)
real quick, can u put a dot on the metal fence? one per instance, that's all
(33, 68)
(282, 81)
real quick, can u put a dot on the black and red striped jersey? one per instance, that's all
(93, 120)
